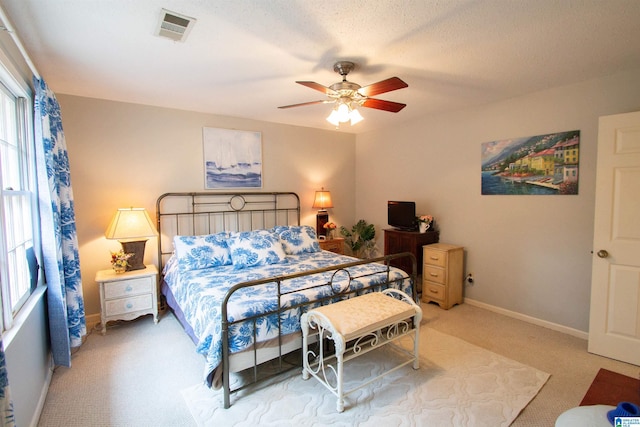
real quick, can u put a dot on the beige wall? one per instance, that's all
(528, 254)
(125, 155)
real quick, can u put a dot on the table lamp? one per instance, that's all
(131, 227)
(322, 201)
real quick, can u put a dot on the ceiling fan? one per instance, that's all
(347, 96)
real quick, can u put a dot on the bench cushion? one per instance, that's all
(354, 317)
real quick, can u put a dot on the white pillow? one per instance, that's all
(258, 247)
(297, 240)
(198, 252)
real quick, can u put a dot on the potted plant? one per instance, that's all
(360, 239)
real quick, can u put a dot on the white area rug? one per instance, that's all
(458, 384)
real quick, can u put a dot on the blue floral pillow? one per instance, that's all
(258, 247)
(198, 252)
(297, 240)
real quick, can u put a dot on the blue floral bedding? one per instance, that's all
(199, 293)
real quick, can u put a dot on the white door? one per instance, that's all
(614, 323)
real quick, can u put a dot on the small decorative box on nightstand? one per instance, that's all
(333, 245)
(128, 295)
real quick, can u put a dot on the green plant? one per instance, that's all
(360, 239)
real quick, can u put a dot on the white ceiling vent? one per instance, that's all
(174, 26)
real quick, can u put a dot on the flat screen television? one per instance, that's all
(402, 215)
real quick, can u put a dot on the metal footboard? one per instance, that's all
(282, 366)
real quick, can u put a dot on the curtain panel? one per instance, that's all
(7, 416)
(61, 260)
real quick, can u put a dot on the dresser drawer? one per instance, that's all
(129, 305)
(124, 288)
(434, 274)
(434, 257)
(433, 291)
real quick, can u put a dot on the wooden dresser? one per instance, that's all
(397, 241)
(442, 272)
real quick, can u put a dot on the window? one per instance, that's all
(18, 211)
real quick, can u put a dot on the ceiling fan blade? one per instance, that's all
(303, 104)
(392, 83)
(318, 87)
(380, 104)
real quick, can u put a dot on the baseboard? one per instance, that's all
(529, 319)
(92, 320)
(43, 393)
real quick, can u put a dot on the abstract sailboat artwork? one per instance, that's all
(232, 158)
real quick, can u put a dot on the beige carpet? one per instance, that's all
(458, 384)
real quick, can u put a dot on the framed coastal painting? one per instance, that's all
(542, 164)
(232, 158)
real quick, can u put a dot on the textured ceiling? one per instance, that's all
(242, 57)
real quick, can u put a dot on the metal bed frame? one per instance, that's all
(199, 213)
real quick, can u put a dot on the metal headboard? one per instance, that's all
(201, 213)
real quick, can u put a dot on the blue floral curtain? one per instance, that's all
(59, 239)
(7, 418)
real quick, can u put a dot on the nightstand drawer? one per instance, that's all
(124, 288)
(434, 257)
(433, 291)
(129, 305)
(333, 245)
(434, 274)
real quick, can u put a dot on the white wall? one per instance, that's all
(124, 155)
(29, 360)
(528, 254)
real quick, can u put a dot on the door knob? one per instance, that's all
(602, 253)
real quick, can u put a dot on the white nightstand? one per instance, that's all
(126, 296)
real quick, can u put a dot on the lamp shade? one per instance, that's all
(130, 223)
(322, 200)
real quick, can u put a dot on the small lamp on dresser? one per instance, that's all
(132, 227)
(322, 202)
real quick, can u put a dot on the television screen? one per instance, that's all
(402, 215)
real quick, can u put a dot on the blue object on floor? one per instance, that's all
(624, 409)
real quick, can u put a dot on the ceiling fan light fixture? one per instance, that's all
(343, 113)
(355, 117)
(333, 118)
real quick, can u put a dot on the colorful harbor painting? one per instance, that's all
(232, 158)
(542, 164)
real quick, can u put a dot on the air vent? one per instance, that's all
(174, 26)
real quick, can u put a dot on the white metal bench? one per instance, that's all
(366, 322)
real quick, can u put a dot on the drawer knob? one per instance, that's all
(433, 275)
(433, 291)
(435, 258)
(129, 288)
(129, 305)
